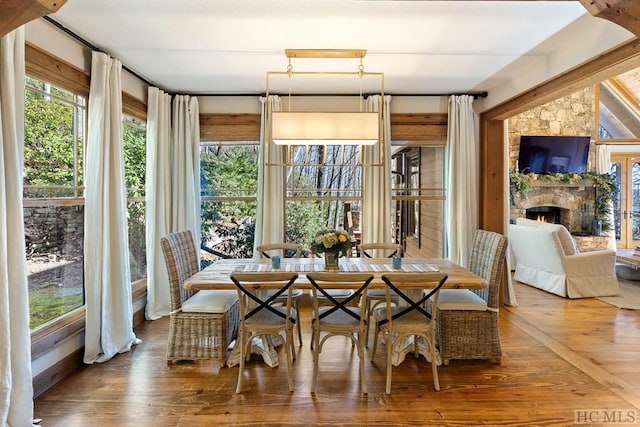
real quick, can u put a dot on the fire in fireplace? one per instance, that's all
(550, 214)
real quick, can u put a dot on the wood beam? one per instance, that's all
(608, 64)
(14, 13)
(625, 13)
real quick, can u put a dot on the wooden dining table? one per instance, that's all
(218, 276)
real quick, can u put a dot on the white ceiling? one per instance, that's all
(226, 47)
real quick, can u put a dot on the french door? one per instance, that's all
(626, 206)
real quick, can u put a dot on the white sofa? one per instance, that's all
(547, 257)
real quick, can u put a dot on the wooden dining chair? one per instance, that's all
(338, 317)
(468, 319)
(202, 324)
(285, 250)
(401, 322)
(338, 294)
(259, 317)
(375, 297)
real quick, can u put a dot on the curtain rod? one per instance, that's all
(91, 46)
(475, 95)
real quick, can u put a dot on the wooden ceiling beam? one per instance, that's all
(14, 13)
(625, 13)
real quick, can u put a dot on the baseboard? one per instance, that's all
(54, 374)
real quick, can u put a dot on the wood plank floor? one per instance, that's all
(559, 356)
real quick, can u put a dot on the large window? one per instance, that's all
(324, 186)
(55, 124)
(228, 182)
(134, 136)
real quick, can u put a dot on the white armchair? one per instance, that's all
(547, 258)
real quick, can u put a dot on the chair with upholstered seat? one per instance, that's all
(202, 324)
(399, 323)
(338, 317)
(285, 250)
(376, 297)
(468, 319)
(259, 317)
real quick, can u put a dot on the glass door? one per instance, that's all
(626, 206)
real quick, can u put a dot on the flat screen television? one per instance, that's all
(553, 154)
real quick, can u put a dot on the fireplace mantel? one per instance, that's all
(576, 184)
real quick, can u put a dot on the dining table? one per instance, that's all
(218, 276)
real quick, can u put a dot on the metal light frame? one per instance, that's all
(330, 121)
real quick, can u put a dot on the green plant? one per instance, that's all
(519, 184)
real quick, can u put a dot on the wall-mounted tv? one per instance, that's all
(552, 154)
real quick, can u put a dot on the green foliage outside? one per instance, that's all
(134, 147)
(49, 157)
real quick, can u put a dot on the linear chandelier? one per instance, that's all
(323, 128)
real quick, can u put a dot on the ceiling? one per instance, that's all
(227, 47)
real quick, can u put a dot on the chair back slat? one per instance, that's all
(322, 281)
(181, 259)
(487, 260)
(433, 281)
(379, 250)
(285, 250)
(252, 301)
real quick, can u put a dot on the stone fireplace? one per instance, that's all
(569, 204)
(550, 214)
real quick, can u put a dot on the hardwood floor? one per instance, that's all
(559, 356)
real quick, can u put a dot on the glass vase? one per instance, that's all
(331, 260)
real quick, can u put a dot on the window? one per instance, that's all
(134, 136)
(55, 127)
(418, 199)
(324, 187)
(228, 183)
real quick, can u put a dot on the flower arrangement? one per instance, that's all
(336, 241)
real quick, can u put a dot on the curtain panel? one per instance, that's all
(16, 390)
(461, 208)
(109, 308)
(172, 184)
(376, 180)
(270, 191)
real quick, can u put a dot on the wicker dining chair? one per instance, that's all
(375, 297)
(285, 250)
(399, 323)
(202, 324)
(468, 319)
(337, 317)
(259, 317)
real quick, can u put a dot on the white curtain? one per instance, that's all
(109, 316)
(16, 391)
(603, 165)
(172, 185)
(376, 180)
(603, 158)
(270, 192)
(158, 200)
(461, 208)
